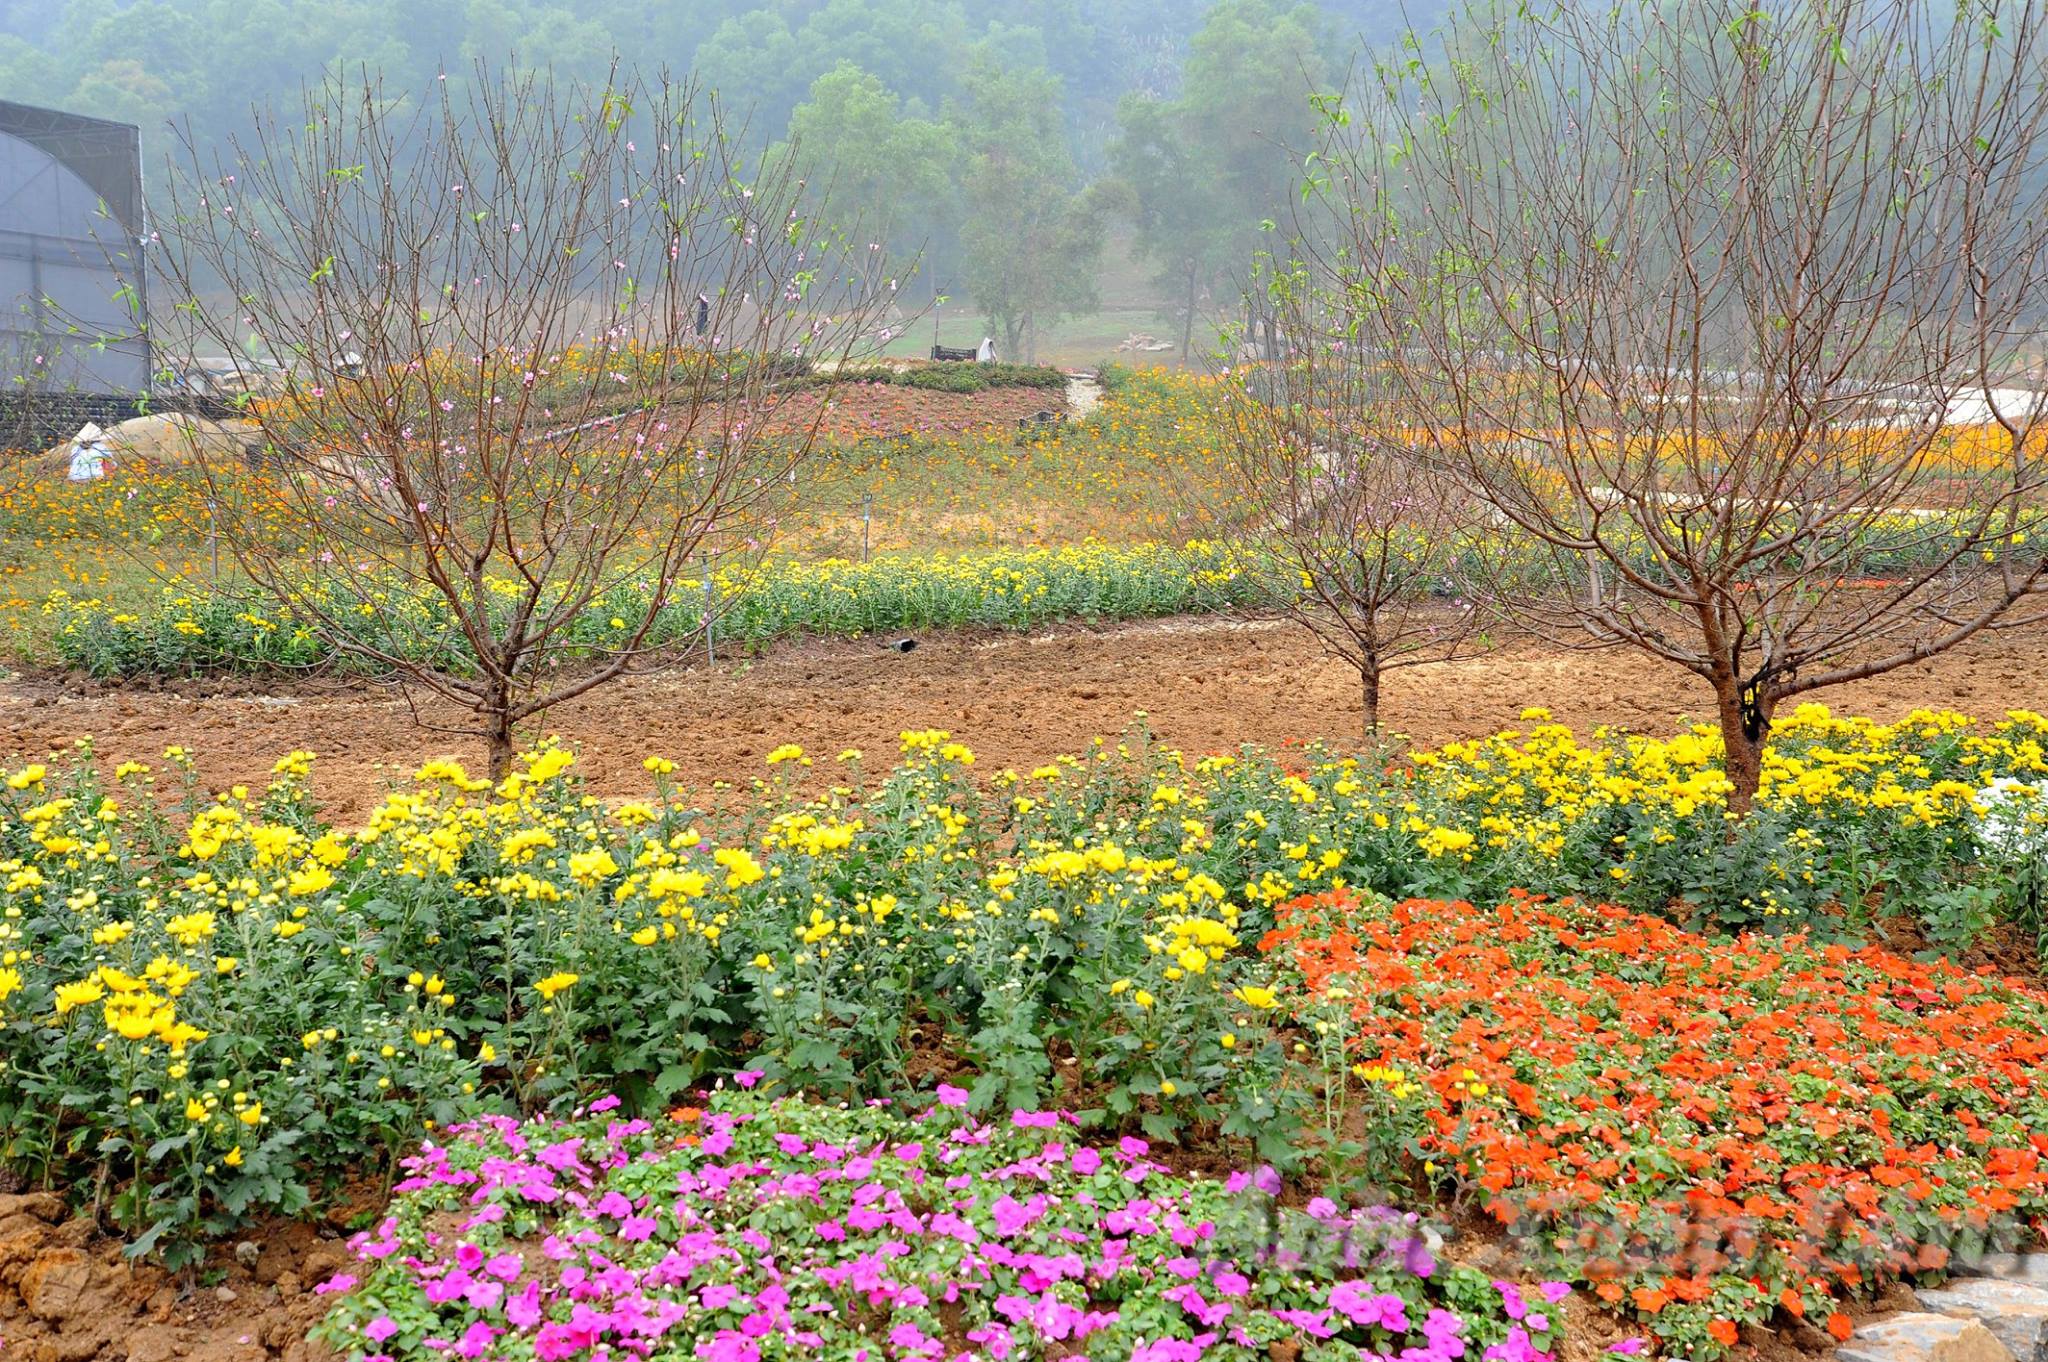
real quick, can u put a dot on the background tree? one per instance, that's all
(765, 63)
(1030, 239)
(498, 398)
(1209, 169)
(1161, 167)
(887, 171)
(1718, 307)
(1360, 540)
(1224, 85)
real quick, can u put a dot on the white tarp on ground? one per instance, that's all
(2015, 404)
(90, 457)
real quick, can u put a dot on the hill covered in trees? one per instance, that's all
(999, 141)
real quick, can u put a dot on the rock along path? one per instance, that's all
(1998, 1313)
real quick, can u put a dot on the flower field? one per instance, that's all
(184, 632)
(1127, 476)
(730, 1007)
(770, 1229)
(126, 577)
(219, 1007)
(1709, 1133)
(1851, 813)
(191, 629)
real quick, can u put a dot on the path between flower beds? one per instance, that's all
(1204, 684)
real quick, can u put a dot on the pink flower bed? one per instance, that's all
(760, 1229)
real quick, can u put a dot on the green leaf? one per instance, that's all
(168, 1144)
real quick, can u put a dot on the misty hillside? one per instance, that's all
(1005, 145)
(152, 60)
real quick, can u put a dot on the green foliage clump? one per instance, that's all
(1114, 379)
(957, 377)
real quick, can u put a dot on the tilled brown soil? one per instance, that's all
(1201, 684)
(69, 1294)
(882, 409)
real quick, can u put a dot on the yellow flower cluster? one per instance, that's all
(1529, 789)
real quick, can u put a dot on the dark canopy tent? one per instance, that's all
(71, 231)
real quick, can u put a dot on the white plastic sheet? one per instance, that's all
(90, 457)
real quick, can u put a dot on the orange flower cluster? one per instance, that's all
(1710, 1131)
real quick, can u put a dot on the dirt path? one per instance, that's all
(1203, 685)
(1083, 396)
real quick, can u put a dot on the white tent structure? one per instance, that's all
(71, 278)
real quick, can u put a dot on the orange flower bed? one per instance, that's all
(1709, 1132)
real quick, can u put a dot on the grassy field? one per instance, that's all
(1136, 470)
(1130, 303)
(1073, 342)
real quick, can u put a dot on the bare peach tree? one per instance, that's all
(538, 345)
(1725, 311)
(1355, 536)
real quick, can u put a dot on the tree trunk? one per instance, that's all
(1745, 721)
(1187, 321)
(497, 710)
(1369, 684)
(501, 751)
